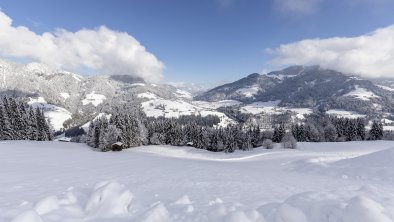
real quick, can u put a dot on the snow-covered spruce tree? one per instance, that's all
(247, 142)
(268, 144)
(376, 132)
(360, 128)
(18, 121)
(312, 133)
(330, 133)
(216, 141)
(256, 137)
(103, 144)
(112, 134)
(5, 128)
(126, 125)
(351, 130)
(90, 134)
(289, 142)
(279, 132)
(42, 126)
(32, 129)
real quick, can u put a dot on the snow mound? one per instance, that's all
(28, 216)
(157, 213)
(47, 205)
(109, 199)
(331, 206)
(183, 200)
(376, 166)
(364, 209)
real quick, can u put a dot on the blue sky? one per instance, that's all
(209, 40)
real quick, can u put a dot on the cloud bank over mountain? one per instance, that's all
(370, 55)
(101, 49)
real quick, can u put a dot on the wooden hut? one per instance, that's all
(118, 146)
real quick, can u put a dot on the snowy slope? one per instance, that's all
(55, 114)
(271, 107)
(56, 181)
(156, 106)
(361, 93)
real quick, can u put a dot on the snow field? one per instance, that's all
(94, 99)
(56, 115)
(361, 93)
(54, 181)
(157, 106)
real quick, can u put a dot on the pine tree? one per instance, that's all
(32, 129)
(289, 142)
(18, 122)
(376, 132)
(279, 133)
(256, 137)
(361, 128)
(330, 133)
(90, 135)
(5, 128)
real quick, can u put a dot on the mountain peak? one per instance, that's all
(253, 75)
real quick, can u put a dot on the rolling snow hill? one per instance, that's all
(325, 182)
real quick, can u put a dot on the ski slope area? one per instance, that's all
(333, 182)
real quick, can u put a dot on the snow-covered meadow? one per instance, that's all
(333, 182)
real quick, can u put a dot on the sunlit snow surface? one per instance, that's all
(93, 98)
(157, 106)
(319, 182)
(56, 115)
(361, 93)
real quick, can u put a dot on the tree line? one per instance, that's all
(131, 127)
(19, 121)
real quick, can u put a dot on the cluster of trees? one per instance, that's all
(324, 128)
(18, 121)
(130, 126)
(126, 125)
(171, 131)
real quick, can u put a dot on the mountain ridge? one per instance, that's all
(296, 89)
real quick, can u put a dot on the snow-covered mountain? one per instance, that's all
(65, 95)
(70, 99)
(306, 87)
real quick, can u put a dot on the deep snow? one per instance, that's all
(336, 182)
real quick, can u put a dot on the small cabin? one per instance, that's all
(118, 146)
(189, 144)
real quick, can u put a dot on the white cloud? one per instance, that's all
(370, 55)
(101, 49)
(297, 7)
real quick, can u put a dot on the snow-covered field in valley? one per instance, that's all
(319, 182)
